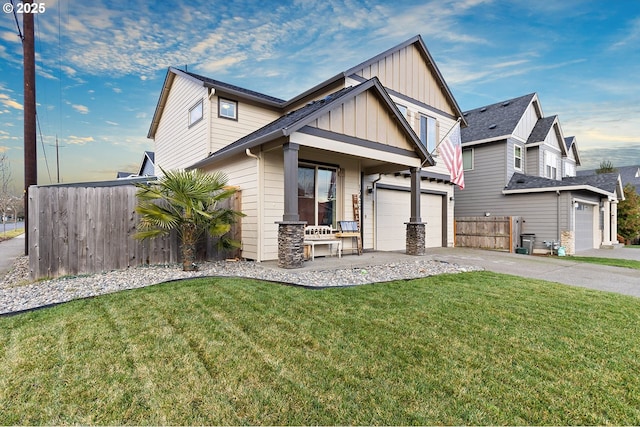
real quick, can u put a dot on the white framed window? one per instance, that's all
(467, 159)
(550, 165)
(227, 109)
(569, 169)
(428, 132)
(195, 113)
(517, 157)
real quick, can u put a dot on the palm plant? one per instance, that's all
(186, 201)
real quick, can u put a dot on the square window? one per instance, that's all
(227, 109)
(195, 113)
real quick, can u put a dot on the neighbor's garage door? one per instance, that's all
(584, 227)
(393, 209)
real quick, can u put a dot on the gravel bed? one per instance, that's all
(17, 293)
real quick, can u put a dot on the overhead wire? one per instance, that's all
(15, 15)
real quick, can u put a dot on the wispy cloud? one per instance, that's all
(7, 101)
(82, 109)
(78, 140)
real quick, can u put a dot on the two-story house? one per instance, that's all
(358, 146)
(518, 163)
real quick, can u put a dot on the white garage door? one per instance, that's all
(393, 209)
(584, 227)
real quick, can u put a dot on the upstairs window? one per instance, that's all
(195, 113)
(428, 132)
(517, 157)
(467, 159)
(227, 109)
(403, 110)
(569, 169)
(550, 165)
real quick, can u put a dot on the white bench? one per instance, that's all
(322, 235)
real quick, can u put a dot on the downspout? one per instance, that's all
(259, 202)
(375, 210)
(558, 216)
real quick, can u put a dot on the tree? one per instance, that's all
(186, 201)
(629, 214)
(606, 167)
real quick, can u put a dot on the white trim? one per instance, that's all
(515, 146)
(566, 188)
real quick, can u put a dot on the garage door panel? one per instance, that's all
(393, 210)
(584, 227)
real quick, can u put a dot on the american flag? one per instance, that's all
(451, 154)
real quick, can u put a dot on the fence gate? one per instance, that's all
(497, 233)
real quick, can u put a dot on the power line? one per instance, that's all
(15, 15)
(43, 149)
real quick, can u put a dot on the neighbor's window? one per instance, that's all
(467, 159)
(195, 113)
(317, 194)
(428, 132)
(551, 165)
(227, 109)
(517, 157)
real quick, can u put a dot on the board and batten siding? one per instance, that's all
(251, 117)
(527, 122)
(364, 117)
(406, 71)
(178, 145)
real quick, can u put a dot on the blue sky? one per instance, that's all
(101, 65)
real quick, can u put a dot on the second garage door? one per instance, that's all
(393, 209)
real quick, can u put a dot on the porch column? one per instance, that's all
(416, 234)
(290, 229)
(607, 238)
(614, 221)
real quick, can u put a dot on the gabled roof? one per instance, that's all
(295, 120)
(628, 175)
(608, 184)
(227, 88)
(541, 130)
(148, 162)
(495, 121)
(419, 43)
(572, 144)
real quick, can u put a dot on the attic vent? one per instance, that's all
(520, 180)
(492, 127)
(504, 104)
(483, 109)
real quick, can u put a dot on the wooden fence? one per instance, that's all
(498, 233)
(80, 229)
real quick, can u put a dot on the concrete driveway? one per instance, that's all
(554, 269)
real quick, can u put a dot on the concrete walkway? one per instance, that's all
(9, 251)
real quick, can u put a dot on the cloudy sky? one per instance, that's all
(101, 65)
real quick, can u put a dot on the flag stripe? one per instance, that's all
(451, 154)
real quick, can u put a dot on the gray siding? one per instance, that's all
(532, 161)
(483, 184)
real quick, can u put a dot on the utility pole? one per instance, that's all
(30, 153)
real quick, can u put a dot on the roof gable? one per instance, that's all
(496, 121)
(312, 113)
(399, 67)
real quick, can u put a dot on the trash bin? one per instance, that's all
(526, 241)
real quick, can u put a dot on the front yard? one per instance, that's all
(471, 348)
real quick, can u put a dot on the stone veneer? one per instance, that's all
(291, 244)
(567, 239)
(416, 236)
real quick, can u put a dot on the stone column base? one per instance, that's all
(568, 240)
(291, 244)
(416, 235)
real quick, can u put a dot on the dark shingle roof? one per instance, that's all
(495, 120)
(628, 175)
(233, 88)
(569, 141)
(606, 181)
(541, 129)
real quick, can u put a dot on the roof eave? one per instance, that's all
(559, 188)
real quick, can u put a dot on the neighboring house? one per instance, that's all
(628, 175)
(518, 163)
(370, 131)
(147, 167)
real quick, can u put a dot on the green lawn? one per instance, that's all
(473, 348)
(10, 234)
(614, 262)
